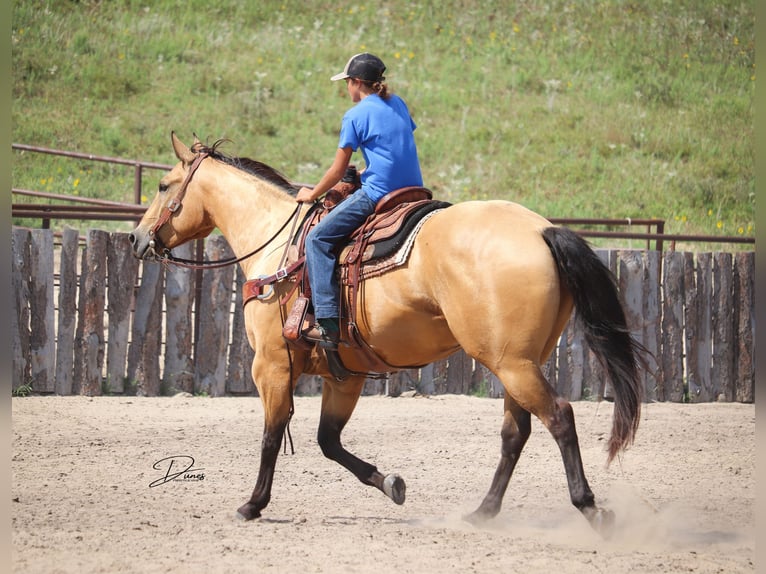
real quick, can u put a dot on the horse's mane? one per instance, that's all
(251, 166)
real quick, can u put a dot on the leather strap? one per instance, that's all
(253, 288)
(175, 203)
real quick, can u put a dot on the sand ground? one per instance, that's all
(684, 494)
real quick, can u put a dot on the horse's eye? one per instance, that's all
(163, 187)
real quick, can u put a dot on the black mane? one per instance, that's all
(251, 166)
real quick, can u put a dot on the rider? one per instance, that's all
(380, 124)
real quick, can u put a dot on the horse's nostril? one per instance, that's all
(132, 239)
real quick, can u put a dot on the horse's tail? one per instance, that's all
(597, 304)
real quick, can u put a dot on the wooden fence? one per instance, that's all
(90, 319)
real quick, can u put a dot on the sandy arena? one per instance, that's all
(684, 494)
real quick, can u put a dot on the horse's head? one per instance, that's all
(175, 215)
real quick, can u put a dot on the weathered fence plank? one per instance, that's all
(307, 385)
(439, 377)
(213, 338)
(724, 351)
(239, 380)
(459, 369)
(744, 297)
(549, 368)
(401, 382)
(672, 340)
(605, 391)
(89, 339)
(699, 341)
(563, 379)
(575, 358)
(122, 273)
(146, 337)
(426, 386)
(178, 371)
(67, 311)
(631, 281)
(20, 240)
(42, 350)
(653, 390)
(485, 382)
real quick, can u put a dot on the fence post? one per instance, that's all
(723, 311)
(632, 290)
(485, 380)
(744, 297)
(215, 306)
(89, 340)
(42, 350)
(67, 319)
(122, 272)
(563, 374)
(459, 369)
(594, 376)
(178, 371)
(652, 319)
(672, 348)
(144, 352)
(699, 341)
(239, 379)
(20, 240)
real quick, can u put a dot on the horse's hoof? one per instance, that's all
(601, 519)
(394, 488)
(479, 517)
(248, 512)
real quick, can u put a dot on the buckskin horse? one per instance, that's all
(490, 277)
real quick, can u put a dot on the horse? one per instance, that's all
(491, 277)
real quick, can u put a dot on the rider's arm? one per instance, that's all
(331, 177)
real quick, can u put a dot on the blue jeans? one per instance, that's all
(321, 242)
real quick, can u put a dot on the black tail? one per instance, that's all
(598, 306)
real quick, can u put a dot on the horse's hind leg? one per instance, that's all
(529, 389)
(338, 402)
(514, 434)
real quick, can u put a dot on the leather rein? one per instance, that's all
(174, 204)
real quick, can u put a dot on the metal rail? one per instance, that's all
(101, 209)
(138, 165)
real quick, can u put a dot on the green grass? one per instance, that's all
(575, 109)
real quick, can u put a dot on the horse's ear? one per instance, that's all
(182, 152)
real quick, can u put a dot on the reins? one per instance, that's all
(169, 258)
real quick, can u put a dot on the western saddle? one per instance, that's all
(380, 244)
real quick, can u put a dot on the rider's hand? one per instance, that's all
(305, 195)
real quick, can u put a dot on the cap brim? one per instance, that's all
(341, 76)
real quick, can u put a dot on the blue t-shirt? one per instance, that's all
(383, 130)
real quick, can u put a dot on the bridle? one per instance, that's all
(174, 204)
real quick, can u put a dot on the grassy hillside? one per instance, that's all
(583, 109)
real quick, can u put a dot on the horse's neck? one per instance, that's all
(249, 212)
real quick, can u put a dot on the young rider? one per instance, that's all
(380, 125)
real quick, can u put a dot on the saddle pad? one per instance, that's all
(382, 248)
(378, 266)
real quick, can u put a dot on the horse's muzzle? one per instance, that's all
(145, 246)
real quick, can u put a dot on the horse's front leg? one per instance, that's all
(270, 444)
(275, 388)
(338, 402)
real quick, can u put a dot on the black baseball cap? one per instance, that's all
(363, 66)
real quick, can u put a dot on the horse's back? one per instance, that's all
(480, 237)
(480, 276)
